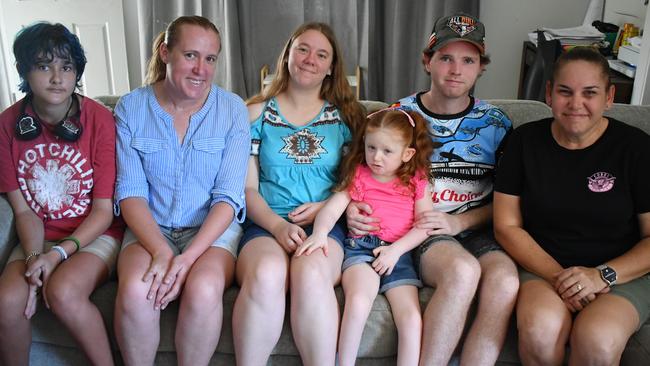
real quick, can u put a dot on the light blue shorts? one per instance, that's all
(179, 239)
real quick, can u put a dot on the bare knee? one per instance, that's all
(539, 339)
(358, 303)
(409, 321)
(204, 294)
(594, 346)
(461, 275)
(266, 280)
(64, 297)
(308, 277)
(501, 284)
(132, 297)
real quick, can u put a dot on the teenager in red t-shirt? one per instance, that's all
(57, 165)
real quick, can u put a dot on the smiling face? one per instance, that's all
(385, 151)
(191, 62)
(454, 69)
(310, 59)
(52, 81)
(578, 98)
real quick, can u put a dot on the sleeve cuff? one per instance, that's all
(124, 193)
(238, 207)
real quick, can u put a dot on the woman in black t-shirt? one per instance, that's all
(571, 208)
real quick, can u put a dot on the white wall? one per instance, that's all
(507, 24)
(625, 11)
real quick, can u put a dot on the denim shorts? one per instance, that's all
(105, 247)
(359, 250)
(252, 231)
(637, 292)
(179, 239)
(477, 242)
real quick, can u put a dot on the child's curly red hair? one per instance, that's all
(397, 121)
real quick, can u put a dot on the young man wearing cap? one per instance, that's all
(461, 248)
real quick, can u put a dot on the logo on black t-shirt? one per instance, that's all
(600, 182)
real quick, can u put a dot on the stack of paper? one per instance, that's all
(577, 36)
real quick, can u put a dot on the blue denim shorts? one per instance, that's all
(252, 231)
(179, 239)
(359, 250)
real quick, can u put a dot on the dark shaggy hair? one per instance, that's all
(41, 42)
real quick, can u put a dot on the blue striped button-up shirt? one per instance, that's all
(181, 182)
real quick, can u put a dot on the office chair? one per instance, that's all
(539, 72)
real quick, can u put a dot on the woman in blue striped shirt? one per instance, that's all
(182, 148)
(300, 126)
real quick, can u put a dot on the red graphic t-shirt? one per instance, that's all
(59, 179)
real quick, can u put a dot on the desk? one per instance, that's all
(622, 83)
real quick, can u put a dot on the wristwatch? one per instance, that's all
(608, 274)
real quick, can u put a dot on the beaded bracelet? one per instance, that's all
(72, 239)
(31, 255)
(61, 251)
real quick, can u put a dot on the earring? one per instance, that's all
(329, 72)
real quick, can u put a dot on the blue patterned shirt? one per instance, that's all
(181, 182)
(298, 164)
(465, 163)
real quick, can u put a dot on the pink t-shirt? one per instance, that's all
(391, 202)
(60, 179)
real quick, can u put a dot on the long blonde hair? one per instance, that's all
(334, 89)
(157, 69)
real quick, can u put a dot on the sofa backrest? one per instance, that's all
(109, 101)
(523, 111)
(519, 111)
(635, 115)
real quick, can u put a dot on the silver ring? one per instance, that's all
(579, 287)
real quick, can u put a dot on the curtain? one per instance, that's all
(397, 33)
(384, 37)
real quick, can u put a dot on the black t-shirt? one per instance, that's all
(581, 205)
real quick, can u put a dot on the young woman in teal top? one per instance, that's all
(301, 124)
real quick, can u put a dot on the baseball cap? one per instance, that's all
(457, 27)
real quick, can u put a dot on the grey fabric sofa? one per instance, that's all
(52, 345)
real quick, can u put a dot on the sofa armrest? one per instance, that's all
(7, 230)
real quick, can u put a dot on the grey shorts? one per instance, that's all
(105, 247)
(637, 292)
(179, 239)
(477, 242)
